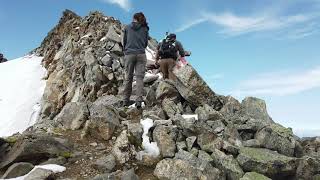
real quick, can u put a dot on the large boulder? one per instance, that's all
(39, 174)
(277, 138)
(311, 147)
(102, 122)
(308, 168)
(73, 115)
(267, 162)
(35, 149)
(165, 138)
(18, 169)
(254, 176)
(231, 106)
(209, 141)
(194, 89)
(255, 108)
(122, 150)
(228, 164)
(180, 169)
(105, 164)
(166, 90)
(206, 112)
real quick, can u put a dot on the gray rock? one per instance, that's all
(35, 149)
(112, 35)
(206, 112)
(150, 78)
(166, 90)
(59, 161)
(129, 175)
(204, 156)
(181, 145)
(105, 164)
(231, 106)
(209, 142)
(107, 60)
(255, 108)
(18, 169)
(190, 142)
(308, 167)
(278, 138)
(229, 165)
(254, 176)
(105, 176)
(122, 149)
(311, 147)
(252, 143)
(102, 122)
(165, 141)
(73, 115)
(39, 174)
(135, 131)
(267, 162)
(179, 169)
(170, 108)
(193, 89)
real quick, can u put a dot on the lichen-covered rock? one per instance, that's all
(35, 149)
(18, 169)
(165, 139)
(254, 176)
(122, 149)
(308, 167)
(277, 138)
(102, 122)
(206, 112)
(194, 89)
(209, 142)
(180, 169)
(231, 106)
(228, 164)
(73, 115)
(255, 108)
(267, 162)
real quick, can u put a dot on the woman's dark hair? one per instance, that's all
(140, 18)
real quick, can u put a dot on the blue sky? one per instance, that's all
(267, 49)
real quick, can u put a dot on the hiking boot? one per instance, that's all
(139, 104)
(125, 103)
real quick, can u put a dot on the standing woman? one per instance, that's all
(135, 41)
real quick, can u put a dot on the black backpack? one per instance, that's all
(168, 49)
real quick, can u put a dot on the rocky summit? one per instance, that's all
(194, 133)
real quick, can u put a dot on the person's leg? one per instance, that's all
(129, 69)
(164, 68)
(140, 70)
(171, 65)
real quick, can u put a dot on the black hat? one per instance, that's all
(172, 36)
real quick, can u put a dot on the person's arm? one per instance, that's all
(180, 49)
(124, 41)
(147, 39)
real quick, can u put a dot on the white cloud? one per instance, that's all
(292, 26)
(233, 25)
(124, 4)
(280, 83)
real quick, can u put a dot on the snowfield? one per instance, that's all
(21, 90)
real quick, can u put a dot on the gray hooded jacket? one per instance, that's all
(135, 39)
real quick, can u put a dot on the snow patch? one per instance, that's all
(189, 116)
(21, 91)
(52, 167)
(151, 55)
(150, 148)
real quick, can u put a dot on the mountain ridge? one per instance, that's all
(199, 134)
